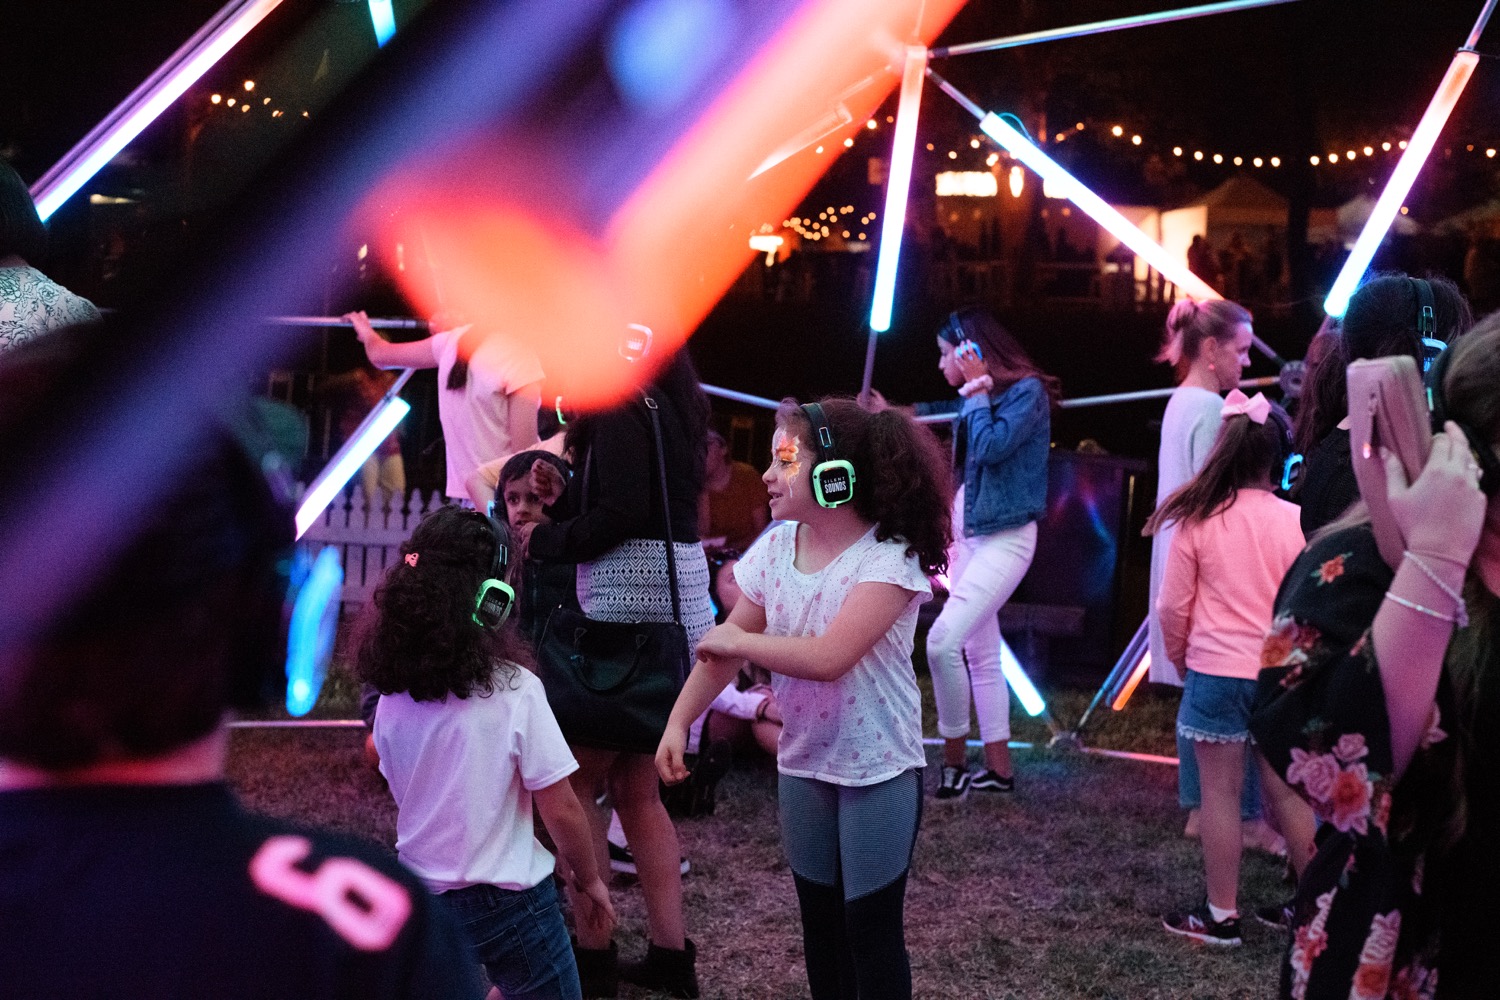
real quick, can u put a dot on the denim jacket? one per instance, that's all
(1001, 443)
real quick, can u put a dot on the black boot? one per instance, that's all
(667, 970)
(598, 970)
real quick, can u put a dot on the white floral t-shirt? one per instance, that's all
(865, 727)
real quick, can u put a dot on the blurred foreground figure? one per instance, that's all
(127, 867)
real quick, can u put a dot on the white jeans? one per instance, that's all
(982, 574)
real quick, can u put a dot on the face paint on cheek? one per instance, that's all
(787, 451)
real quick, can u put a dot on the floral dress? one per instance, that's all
(1385, 879)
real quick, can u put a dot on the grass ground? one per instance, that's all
(1055, 892)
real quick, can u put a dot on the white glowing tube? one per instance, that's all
(384, 20)
(1402, 178)
(186, 66)
(1026, 692)
(897, 185)
(360, 446)
(1069, 187)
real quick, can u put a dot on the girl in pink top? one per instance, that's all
(1234, 542)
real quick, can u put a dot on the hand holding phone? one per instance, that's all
(1434, 504)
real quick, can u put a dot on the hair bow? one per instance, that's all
(411, 558)
(1257, 408)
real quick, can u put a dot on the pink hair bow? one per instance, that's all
(1257, 408)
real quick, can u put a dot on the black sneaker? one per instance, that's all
(1200, 925)
(622, 861)
(989, 781)
(953, 784)
(1278, 916)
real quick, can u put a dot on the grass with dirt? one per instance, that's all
(1053, 892)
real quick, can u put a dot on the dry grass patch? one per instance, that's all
(1055, 892)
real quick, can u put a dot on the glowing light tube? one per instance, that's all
(1402, 178)
(311, 634)
(897, 186)
(1136, 676)
(374, 429)
(1026, 692)
(384, 20)
(1067, 186)
(185, 67)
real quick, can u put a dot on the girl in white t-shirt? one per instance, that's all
(468, 745)
(829, 606)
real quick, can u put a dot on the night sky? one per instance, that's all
(1292, 81)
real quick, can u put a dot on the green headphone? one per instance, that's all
(833, 477)
(495, 597)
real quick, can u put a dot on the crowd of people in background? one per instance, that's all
(1346, 678)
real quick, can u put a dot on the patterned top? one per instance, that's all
(31, 304)
(865, 727)
(1390, 898)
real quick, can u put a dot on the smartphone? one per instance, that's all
(1387, 409)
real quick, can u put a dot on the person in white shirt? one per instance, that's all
(468, 744)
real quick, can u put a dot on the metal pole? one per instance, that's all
(739, 397)
(1118, 397)
(1484, 18)
(1100, 27)
(379, 324)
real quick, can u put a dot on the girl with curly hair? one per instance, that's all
(1002, 432)
(829, 606)
(468, 744)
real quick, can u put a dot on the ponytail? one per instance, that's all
(1190, 323)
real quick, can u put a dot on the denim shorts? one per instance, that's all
(520, 937)
(1215, 709)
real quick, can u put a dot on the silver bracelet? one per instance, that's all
(1461, 611)
(1413, 605)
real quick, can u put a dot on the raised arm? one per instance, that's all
(1440, 516)
(996, 433)
(867, 614)
(385, 354)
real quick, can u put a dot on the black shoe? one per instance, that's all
(989, 781)
(953, 784)
(1200, 925)
(666, 970)
(598, 970)
(622, 861)
(1278, 916)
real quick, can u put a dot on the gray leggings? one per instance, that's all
(849, 850)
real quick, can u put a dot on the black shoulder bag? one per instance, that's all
(612, 684)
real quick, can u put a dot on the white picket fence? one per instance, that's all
(368, 535)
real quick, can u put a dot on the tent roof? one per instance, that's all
(1243, 191)
(1242, 200)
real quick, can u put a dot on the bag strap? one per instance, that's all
(666, 507)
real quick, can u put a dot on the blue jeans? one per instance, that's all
(520, 938)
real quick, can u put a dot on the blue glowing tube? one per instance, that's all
(897, 185)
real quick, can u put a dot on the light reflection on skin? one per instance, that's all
(787, 450)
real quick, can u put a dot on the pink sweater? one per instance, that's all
(1220, 584)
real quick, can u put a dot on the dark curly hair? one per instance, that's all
(901, 471)
(418, 634)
